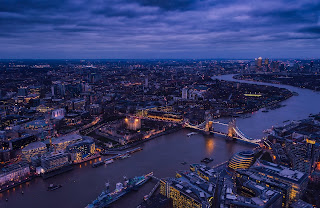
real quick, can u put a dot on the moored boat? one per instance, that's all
(107, 197)
(53, 187)
(108, 161)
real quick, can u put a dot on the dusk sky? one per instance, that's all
(159, 29)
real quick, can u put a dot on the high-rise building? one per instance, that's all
(58, 89)
(259, 62)
(241, 160)
(146, 82)
(76, 104)
(185, 93)
(296, 180)
(22, 92)
(185, 193)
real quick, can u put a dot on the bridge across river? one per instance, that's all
(233, 131)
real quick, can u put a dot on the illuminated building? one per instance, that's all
(58, 89)
(43, 109)
(185, 93)
(204, 172)
(259, 62)
(34, 149)
(249, 195)
(301, 204)
(54, 161)
(31, 97)
(36, 124)
(61, 143)
(14, 173)
(296, 180)
(241, 160)
(133, 123)
(21, 142)
(76, 104)
(34, 90)
(80, 151)
(95, 109)
(72, 119)
(188, 190)
(162, 113)
(22, 92)
(265, 181)
(303, 155)
(252, 95)
(58, 113)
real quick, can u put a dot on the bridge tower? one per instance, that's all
(209, 122)
(231, 127)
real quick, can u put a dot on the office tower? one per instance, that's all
(185, 93)
(259, 62)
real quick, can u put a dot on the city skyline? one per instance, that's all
(138, 29)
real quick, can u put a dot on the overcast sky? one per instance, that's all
(159, 28)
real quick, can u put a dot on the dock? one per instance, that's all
(147, 197)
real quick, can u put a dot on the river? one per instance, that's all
(162, 155)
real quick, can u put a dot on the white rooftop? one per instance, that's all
(33, 145)
(67, 138)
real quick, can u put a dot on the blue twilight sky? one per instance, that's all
(159, 28)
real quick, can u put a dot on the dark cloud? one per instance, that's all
(27, 5)
(152, 27)
(315, 30)
(168, 4)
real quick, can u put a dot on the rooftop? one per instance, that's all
(34, 145)
(67, 138)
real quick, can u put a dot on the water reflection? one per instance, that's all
(209, 146)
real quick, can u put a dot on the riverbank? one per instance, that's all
(11, 186)
(169, 131)
(310, 82)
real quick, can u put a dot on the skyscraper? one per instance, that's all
(185, 93)
(259, 62)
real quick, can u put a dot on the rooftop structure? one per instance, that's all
(33, 149)
(54, 161)
(188, 190)
(81, 150)
(61, 143)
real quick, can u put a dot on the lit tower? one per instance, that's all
(185, 93)
(259, 62)
(209, 123)
(231, 127)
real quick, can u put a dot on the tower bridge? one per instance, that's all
(207, 126)
(233, 131)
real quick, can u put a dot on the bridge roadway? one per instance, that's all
(239, 135)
